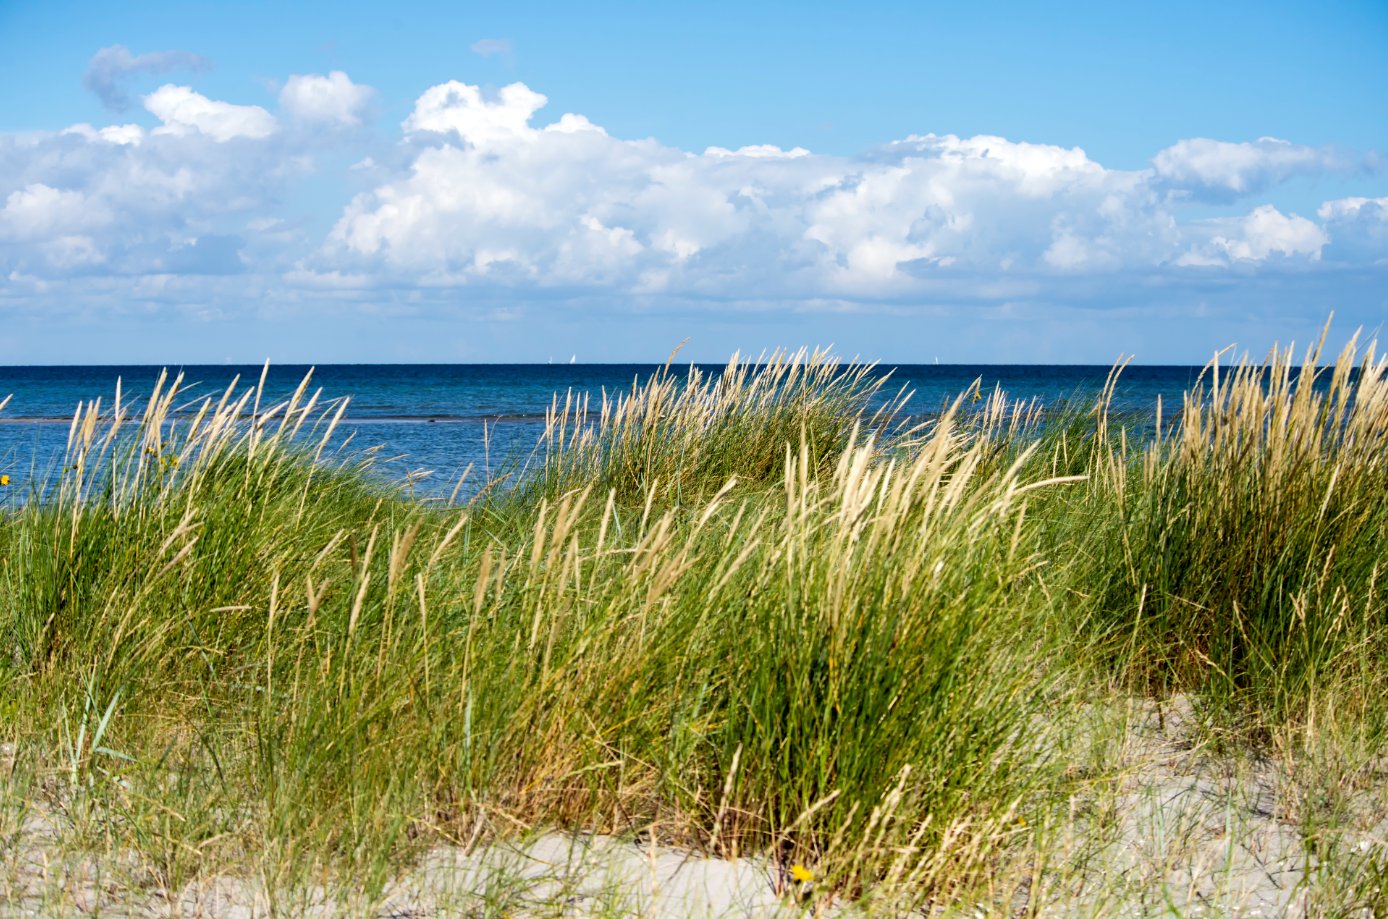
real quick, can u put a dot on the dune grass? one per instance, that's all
(737, 614)
(686, 436)
(1239, 556)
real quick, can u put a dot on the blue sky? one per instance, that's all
(1155, 178)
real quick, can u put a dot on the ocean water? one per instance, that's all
(438, 418)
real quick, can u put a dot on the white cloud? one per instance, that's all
(455, 107)
(1212, 170)
(571, 123)
(113, 134)
(487, 199)
(759, 150)
(330, 100)
(1350, 208)
(38, 212)
(120, 204)
(482, 197)
(123, 134)
(1265, 232)
(183, 110)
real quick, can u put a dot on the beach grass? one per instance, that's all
(902, 661)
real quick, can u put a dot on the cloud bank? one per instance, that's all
(487, 197)
(478, 197)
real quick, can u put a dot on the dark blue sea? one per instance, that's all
(431, 418)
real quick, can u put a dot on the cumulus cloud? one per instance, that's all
(490, 199)
(1267, 230)
(480, 194)
(1219, 172)
(183, 111)
(1264, 233)
(37, 212)
(459, 109)
(333, 100)
(110, 69)
(124, 204)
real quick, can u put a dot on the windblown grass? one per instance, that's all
(742, 614)
(1240, 556)
(688, 436)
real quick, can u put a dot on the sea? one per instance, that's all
(424, 424)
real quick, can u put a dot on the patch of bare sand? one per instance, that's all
(547, 875)
(1176, 829)
(1162, 827)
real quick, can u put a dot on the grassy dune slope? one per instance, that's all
(734, 615)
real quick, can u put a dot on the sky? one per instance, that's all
(429, 182)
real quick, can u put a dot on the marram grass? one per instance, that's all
(736, 614)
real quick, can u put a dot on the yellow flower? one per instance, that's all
(4, 480)
(801, 873)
